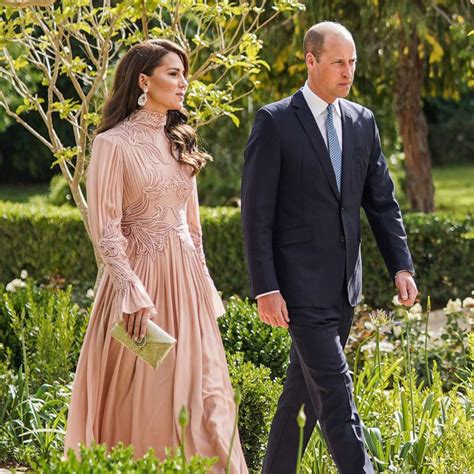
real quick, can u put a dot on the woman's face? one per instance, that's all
(166, 86)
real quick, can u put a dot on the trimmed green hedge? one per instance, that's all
(443, 251)
(50, 241)
(46, 241)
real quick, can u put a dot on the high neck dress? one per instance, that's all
(144, 221)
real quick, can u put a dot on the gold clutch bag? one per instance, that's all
(152, 349)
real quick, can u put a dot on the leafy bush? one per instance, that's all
(242, 331)
(44, 329)
(53, 241)
(259, 399)
(32, 425)
(96, 460)
(59, 192)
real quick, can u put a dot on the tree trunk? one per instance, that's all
(412, 125)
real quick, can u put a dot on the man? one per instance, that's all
(311, 162)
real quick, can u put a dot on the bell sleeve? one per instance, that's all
(105, 184)
(194, 224)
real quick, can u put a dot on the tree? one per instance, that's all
(74, 44)
(406, 51)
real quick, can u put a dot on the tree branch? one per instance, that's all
(17, 118)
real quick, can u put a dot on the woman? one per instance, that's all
(144, 221)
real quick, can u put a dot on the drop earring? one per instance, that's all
(143, 98)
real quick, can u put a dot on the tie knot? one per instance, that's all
(330, 109)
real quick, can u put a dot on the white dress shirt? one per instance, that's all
(319, 110)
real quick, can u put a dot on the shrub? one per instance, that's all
(44, 329)
(96, 460)
(59, 192)
(31, 423)
(224, 248)
(259, 399)
(242, 331)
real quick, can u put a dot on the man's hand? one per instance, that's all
(272, 310)
(407, 289)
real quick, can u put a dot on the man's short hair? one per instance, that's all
(314, 37)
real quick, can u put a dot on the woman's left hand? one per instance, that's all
(136, 323)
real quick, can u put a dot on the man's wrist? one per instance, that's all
(267, 293)
(411, 272)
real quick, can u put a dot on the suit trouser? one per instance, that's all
(318, 376)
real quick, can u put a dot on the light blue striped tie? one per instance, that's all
(334, 148)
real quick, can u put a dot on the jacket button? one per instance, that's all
(342, 210)
(342, 239)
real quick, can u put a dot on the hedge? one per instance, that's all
(243, 332)
(259, 401)
(51, 241)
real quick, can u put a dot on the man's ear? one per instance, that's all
(310, 60)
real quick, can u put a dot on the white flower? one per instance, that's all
(14, 284)
(380, 318)
(468, 302)
(416, 309)
(453, 306)
(369, 326)
(90, 293)
(397, 330)
(415, 312)
(24, 274)
(384, 346)
(396, 301)
(369, 347)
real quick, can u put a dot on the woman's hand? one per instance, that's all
(136, 323)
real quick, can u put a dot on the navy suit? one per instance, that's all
(302, 237)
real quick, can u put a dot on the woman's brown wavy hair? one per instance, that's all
(144, 58)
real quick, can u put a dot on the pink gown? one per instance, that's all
(144, 220)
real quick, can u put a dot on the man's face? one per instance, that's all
(331, 77)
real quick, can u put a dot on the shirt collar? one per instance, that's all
(316, 104)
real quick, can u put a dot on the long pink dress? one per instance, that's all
(144, 220)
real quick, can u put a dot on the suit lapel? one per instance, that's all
(347, 147)
(306, 119)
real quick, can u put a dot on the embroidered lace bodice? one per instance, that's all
(145, 197)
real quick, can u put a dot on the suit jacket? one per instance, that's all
(301, 236)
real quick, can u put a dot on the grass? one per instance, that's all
(23, 193)
(454, 188)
